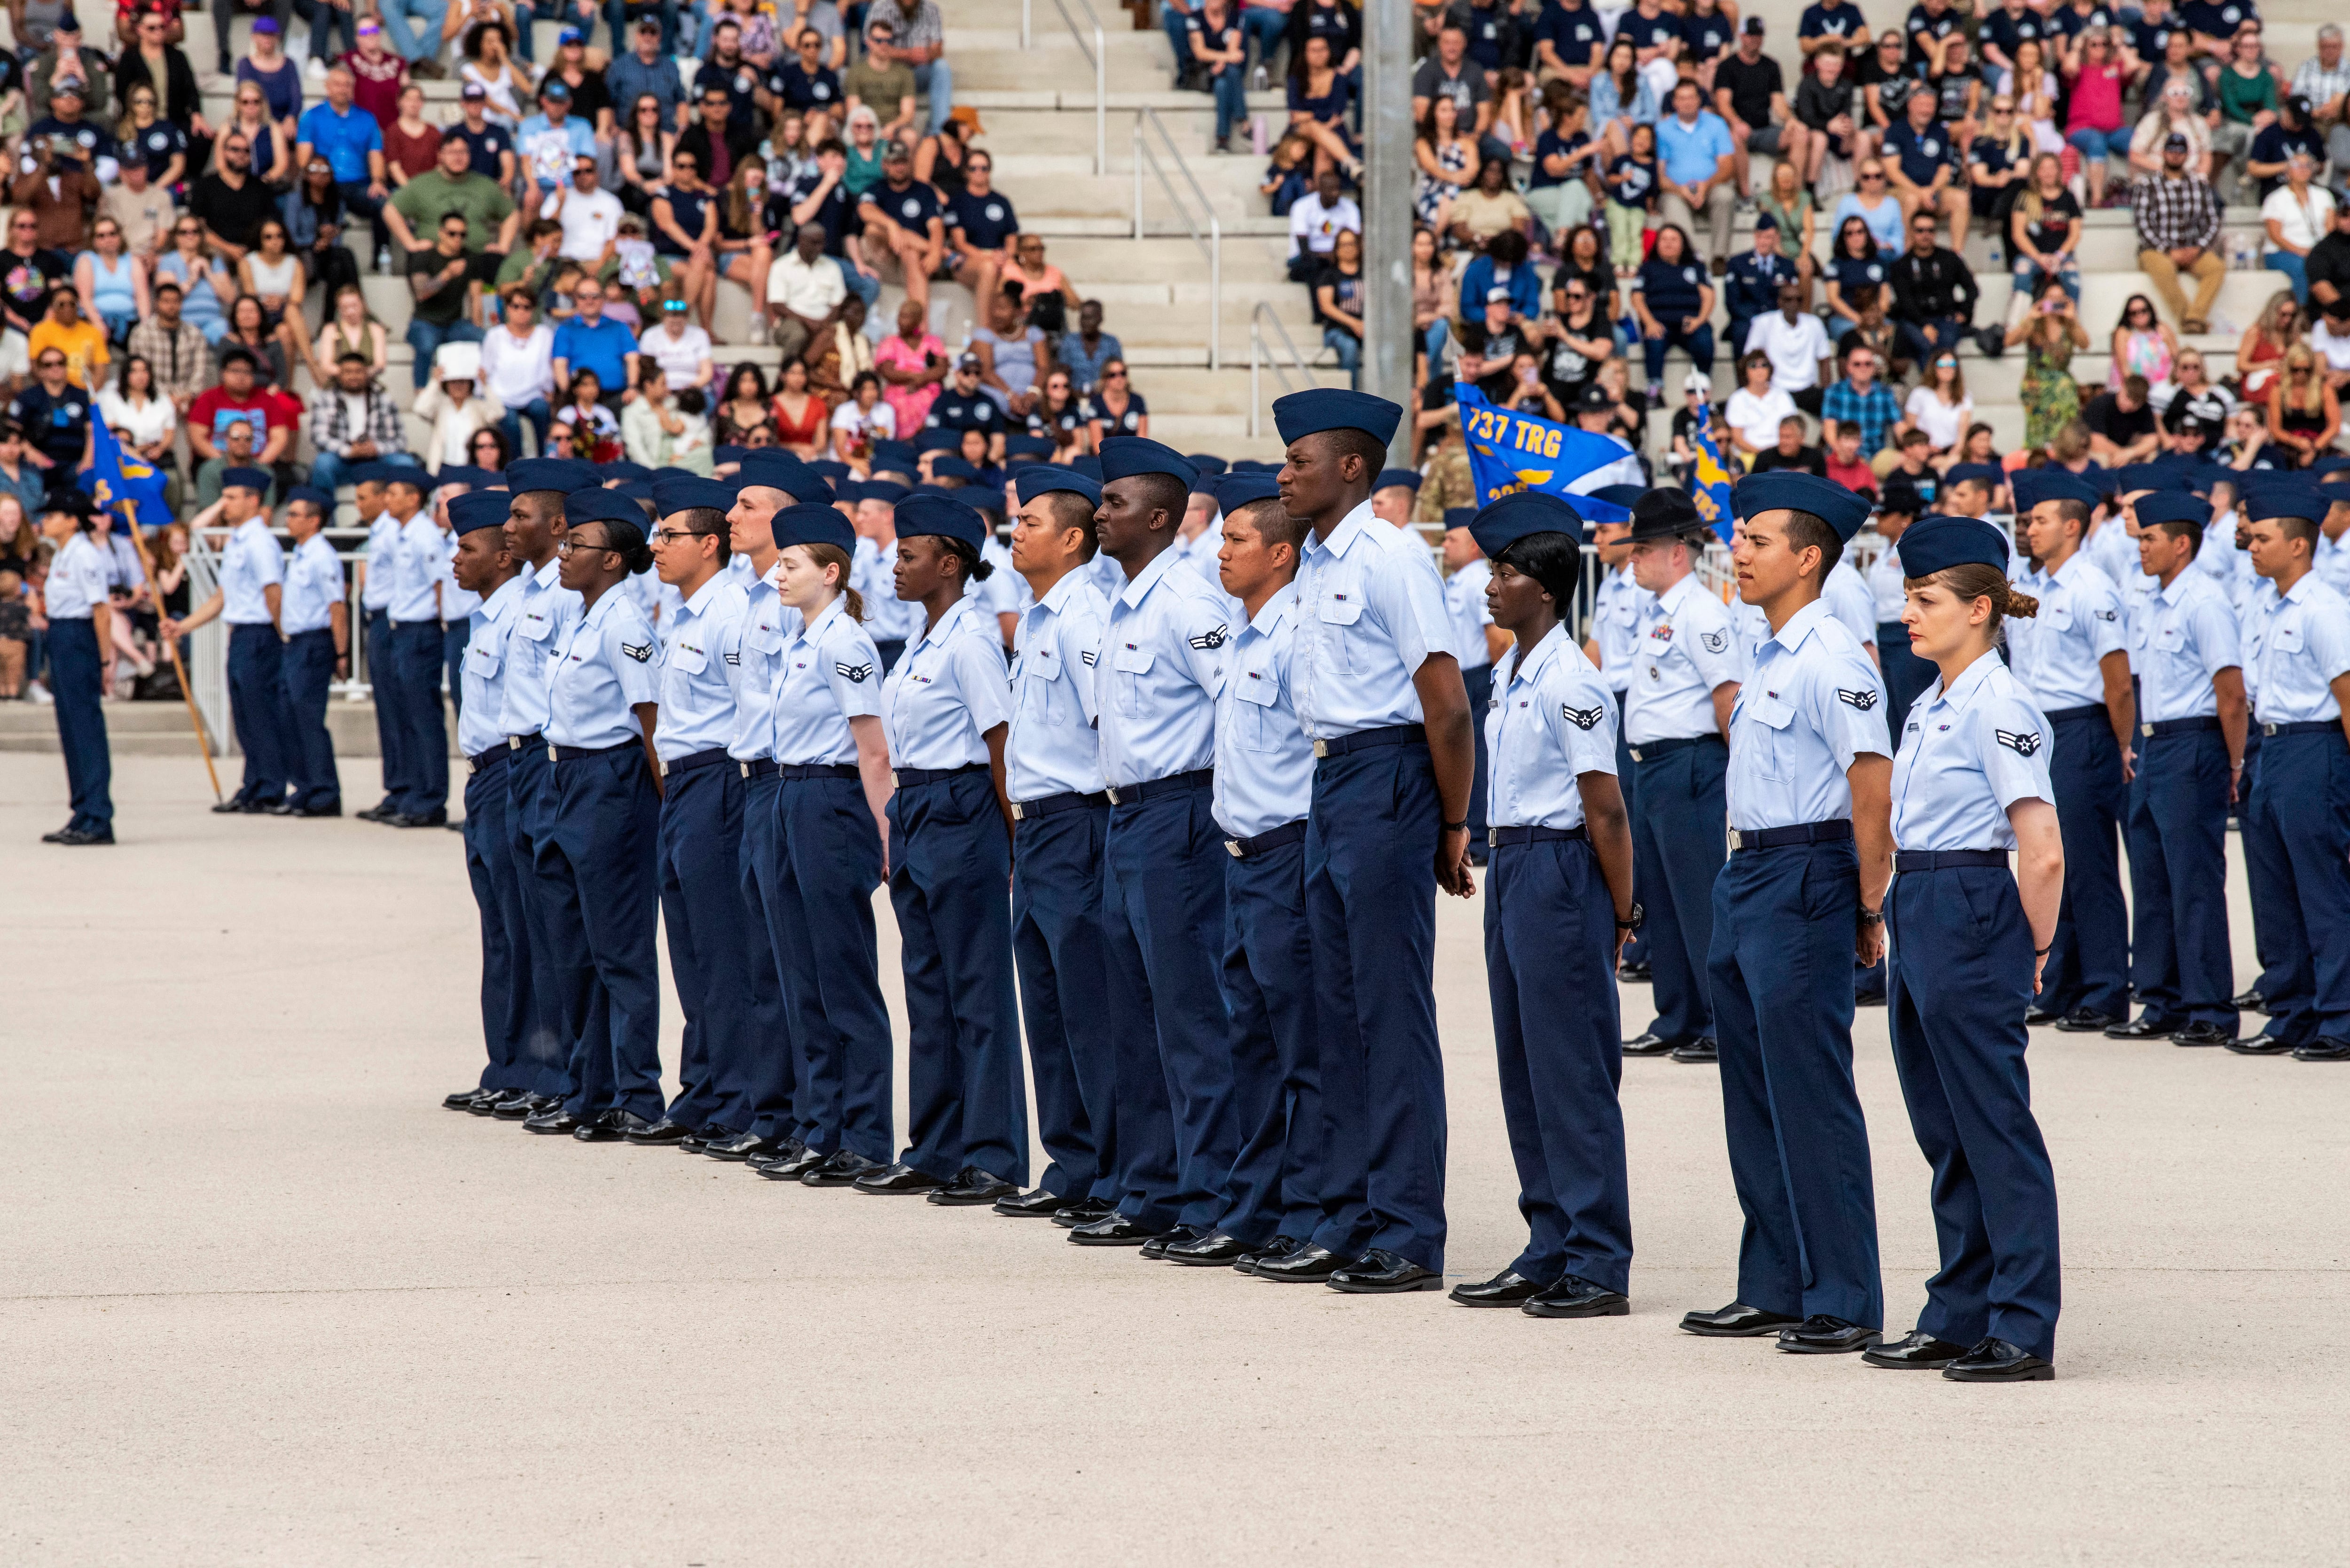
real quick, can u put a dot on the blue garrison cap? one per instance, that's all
(464, 474)
(1336, 409)
(884, 452)
(779, 470)
(1785, 488)
(2103, 480)
(2137, 476)
(1208, 462)
(1510, 518)
(1938, 542)
(2034, 485)
(478, 509)
(624, 470)
(1252, 466)
(731, 453)
(1043, 478)
(325, 501)
(257, 478)
(813, 522)
(559, 473)
(1089, 466)
(942, 492)
(1394, 478)
(1028, 446)
(2332, 463)
(941, 514)
(938, 440)
(414, 478)
(2173, 506)
(2297, 496)
(889, 492)
(597, 505)
(367, 473)
(1625, 496)
(635, 489)
(1123, 457)
(952, 467)
(1988, 474)
(1237, 490)
(1460, 517)
(849, 490)
(831, 469)
(679, 495)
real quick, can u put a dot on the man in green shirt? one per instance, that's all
(452, 186)
(883, 83)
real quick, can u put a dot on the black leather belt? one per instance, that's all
(2178, 726)
(709, 759)
(1364, 740)
(404, 624)
(1907, 860)
(794, 772)
(1049, 805)
(2086, 711)
(2304, 727)
(1650, 751)
(1496, 837)
(1833, 832)
(555, 753)
(759, 768)
(908, 778)
(475, 765)
(1272, 838)
(1127, 794)
(534, 740)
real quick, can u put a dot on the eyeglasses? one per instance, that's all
(571, 546)
(50, 364)
(1872, 173)
(671, 535)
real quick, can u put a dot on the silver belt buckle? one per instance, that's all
(1111, 791)
(746, 767)
(1234, 845)
(1321, 748)
(1737, 839)
(1016, 811)
(514, 743)
(472, 766)
(1492, 838)
(550, 752)
(893, 778)
(2145, 730)
(1635, 754)
(2268, 729)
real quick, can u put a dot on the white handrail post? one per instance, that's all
(1256, 377)
(1138, 176)
(1025, 6)
(1101, 105)
(1215, 292)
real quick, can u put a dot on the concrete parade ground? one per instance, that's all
(265, 1301)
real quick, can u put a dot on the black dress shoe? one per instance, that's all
(1115, 1230)
(375, 813)
(1209, 1250)
(2144, 1026)
(1868, 999)
(317, 811)
(524, 1106)
(741, 1146)
(1384, 1274)
(462, 1100)
(553, 1120)
(611, 1127)
(1736, 1320)
(2085, 1021)
(2250, 1002)
(1084, 1211)
(1700, 1051)
(279, 807)
(1037, 1205)
(488, 1103)
(237, 806)
(664, 1131)
(2201, 1034)
(1576, 1296)
(1916, 1351)
(1279, 1247)
(785, 1150)
(794, 1167)
(1996, 1361)
(78, 837)
(2034, 1017)
(436, 817)
(1306, 1265)
(1156, 1248)
(838, 1168)
(973, 1187)
(1507, 1289)
(2263, 1045)
(898, 1180)
(2323, 1051)
(1635, 974)
(1820, 1334)
(1649, 1044)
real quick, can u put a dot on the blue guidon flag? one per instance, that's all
(114, 478)
(1510, 451)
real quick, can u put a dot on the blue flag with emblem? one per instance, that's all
(114, 478)
(1710, 483)
(1510, 451)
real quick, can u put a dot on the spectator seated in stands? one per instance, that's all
(1790, 452)
(54, 414)
(1845, 465)
(1797, 346)
(1750, 94)
(2177, 216)
(1673, 302)
(1756, 407)
(1503, 265)
(2295, 217)
(1314, 222)
(805, 294)
(918, 41)
(1934, 293)
(1087, 350)
(1753, 281)
(1695, 161)
(591, 342)
(1490, 209)
(491, 219)
(1861, 399)
(2327, 266)
(2248, 105)
(2121, 426)
(354, 422)
(1855, 263)
(1921, 158)
(414, 29)
(904, 228)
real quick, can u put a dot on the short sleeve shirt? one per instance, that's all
(947, 691)
(1370, 613)
(1813, 703)
(1968, 754)
(1686, 650)
(2057, 652)
(2300, 644)
(1160, 670)
(1051, 749)
(2186, 634)
(1550, 722)
(603, 668)
(987, 222)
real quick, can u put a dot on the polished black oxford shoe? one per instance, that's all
(1916, 1351)
(2035, 1016)
(1576, 1296)
(664, 1131)
(237, 806)
(1037, 1205)
(2323, 1051)
(524, 1108)
(280, 807)
(1635, 974)
(838, 1168)
(785, 1150)
(1997, 1361)
(611, 1127)
(1736, 1320)
(1868, 999)
(1279, 1247)
(1209, 1250)
(1507, 1289)
(464, 1099)
(1380, 1273)
(78, 837)
(741, 1147)
(1115, 1229)
(317, 811)
(2085, 1021)
(1820, 1334)
(796, 1167)
(1699, 1051)
(2250, 1002)
(1306, 1265)
(1156, 1248)
(2144, 1026)
(1084, 1211)
(2261, 1045)
(898, 1181)
(699, 1139)
(488, 1103)
(1649, 1044)
(437, 817)
(2201, 1034)
(973, 1187)
(552, 1120)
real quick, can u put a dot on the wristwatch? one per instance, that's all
(1639, 918)
(1871, 917)
(1456, 827)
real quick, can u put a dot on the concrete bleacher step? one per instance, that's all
(162, 728)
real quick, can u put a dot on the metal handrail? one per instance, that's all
(1096, 57)
(207, 672)
(1211, 245)
(1261, 355)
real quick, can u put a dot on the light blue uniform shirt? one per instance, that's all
(77, 577)
(1370, 611)
(1966, 756)
(2251, 617)
(2186, 634)
(382, 569)
(312, 589)
(754, 656)
(1200, 555)
(250, 562)
(1851, 601)
(2055, 653)
(2301, 647)
(483, 672)
(1053, 749)
(826, 675)
(697, 699)
(456, 603)
(542, 619)
(948, 691)
(1687, 648)
(1550, 722)
(1161, 667)
(1464, 602)
(603, 668)
(416, 572)
(1616, 611)
(1264, 764)
(872, 572)
(1813, 703)
(1885, 585)
(2331, 561)
(1005, 592)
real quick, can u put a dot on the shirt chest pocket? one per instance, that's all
(1043, 697)
(1261, 726)
(536, 629)
(2057, 619)
(1340, 611)
(2285, 639)
(483, 660)
(1769, 736)
(686, 659)
(1129, 671)
(2170, 640)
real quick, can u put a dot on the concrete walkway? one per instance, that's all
(264, 1302)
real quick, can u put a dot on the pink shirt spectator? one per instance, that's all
(2096, 99)
(911, 404)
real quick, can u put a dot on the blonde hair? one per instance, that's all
(2302, 357)
(834, 555)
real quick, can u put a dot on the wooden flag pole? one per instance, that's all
(171, 650)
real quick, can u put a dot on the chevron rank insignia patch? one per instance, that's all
(1582, 718)
(1864, 701)
(1088, 656)
(1212, 640)
(734, 659)
(639, 651)
(2023, 744)
(1715, 642)
(856, 672)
